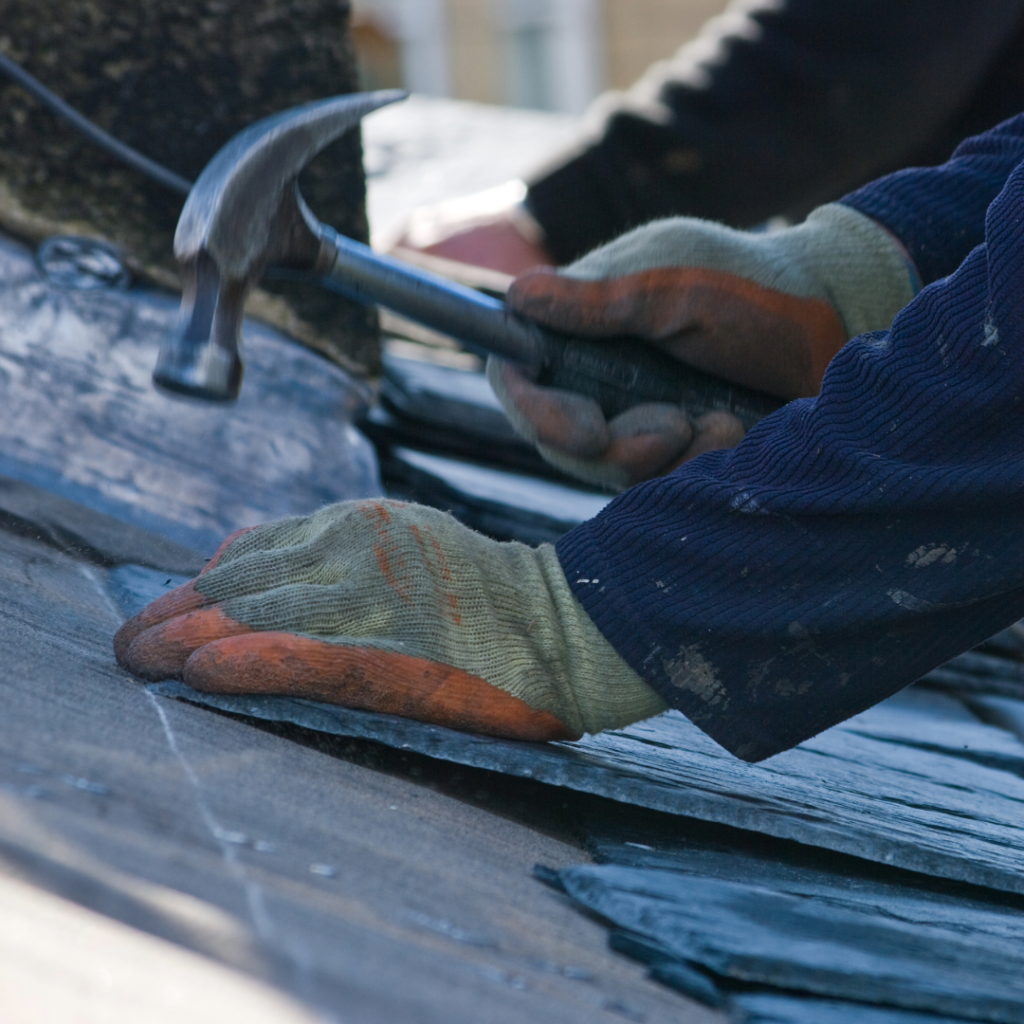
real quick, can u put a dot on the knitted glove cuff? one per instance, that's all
(606, 692)
(863, 269)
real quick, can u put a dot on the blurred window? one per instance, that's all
(378, 53)
(526, 63)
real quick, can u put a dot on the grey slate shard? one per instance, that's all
(446, 398)
(815, 944)
(891, 786)
(821, 880)
(444, 440)
(980, 671)
(448, 411)
(505, 505)
(1002, 712)
(995, 667)
(664, 965)
(79, 416)
(768, 1008)
(68, 526)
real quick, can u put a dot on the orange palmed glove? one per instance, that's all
(397, 608)
(765, 310)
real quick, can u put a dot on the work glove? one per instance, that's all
(765, 310)
(395, 608)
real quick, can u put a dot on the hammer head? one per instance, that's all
(244, 212)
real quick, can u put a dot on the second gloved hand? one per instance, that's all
(765, 310)
(397, 608)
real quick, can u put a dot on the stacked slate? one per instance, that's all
(444, 440)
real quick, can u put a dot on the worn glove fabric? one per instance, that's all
(397, 608)
(765, 310)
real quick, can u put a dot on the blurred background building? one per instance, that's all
(542, 54)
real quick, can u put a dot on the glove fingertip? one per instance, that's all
(180, 601)
(162, 651)
(367, 679)
(561, 419)
(548, 297)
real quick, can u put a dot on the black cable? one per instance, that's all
(92, 132)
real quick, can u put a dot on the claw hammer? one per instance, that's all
(245, 213)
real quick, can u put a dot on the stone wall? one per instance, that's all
(176, 79)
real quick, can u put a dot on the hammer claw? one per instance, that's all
(243, 212)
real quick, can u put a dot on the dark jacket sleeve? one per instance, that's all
(784, 108)
(939, 212)
(851, 542)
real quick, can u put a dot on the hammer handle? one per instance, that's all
(617, 373)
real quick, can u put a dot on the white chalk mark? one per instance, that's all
(90, 573)
(229, 851)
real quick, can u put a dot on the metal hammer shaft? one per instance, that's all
(617, 373)
(482, 324)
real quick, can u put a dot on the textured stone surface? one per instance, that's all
(68, 526)
(175, 79)
(368, 896)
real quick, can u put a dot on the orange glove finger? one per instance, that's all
(647, 439)
(715, 430)
(368, 680)
(718, 322)
(161, 651)
(565, 420)
(176, 602)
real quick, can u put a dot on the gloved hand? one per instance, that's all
(396, 608)
(768, 311)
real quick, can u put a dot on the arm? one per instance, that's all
(851, 542)
(766, 310)
(781, 109)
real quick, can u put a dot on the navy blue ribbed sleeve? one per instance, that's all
(851, 542)
(939, 212)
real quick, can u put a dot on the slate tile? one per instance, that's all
(767, 1008)
(502, 504)
(860, 789)
(79, 416)
(753, 934)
